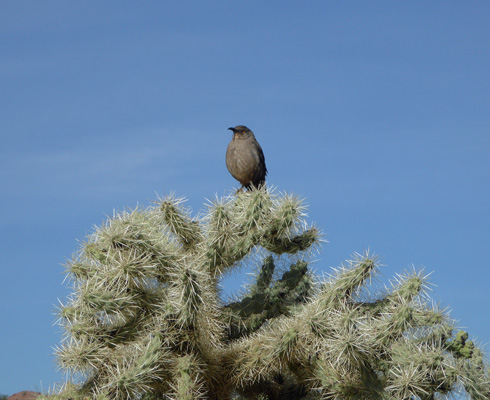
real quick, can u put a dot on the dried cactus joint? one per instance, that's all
(146, 321)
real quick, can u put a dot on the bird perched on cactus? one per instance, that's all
(245, 159)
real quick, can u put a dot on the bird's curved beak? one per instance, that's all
(232, 129)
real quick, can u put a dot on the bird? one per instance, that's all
(245, 159)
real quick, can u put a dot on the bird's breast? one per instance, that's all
(241, 160)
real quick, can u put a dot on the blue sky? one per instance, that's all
(376, 112)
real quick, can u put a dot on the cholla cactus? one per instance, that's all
(146, 320)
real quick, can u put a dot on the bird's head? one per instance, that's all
(241, 130)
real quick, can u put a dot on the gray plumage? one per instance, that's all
(245, 158)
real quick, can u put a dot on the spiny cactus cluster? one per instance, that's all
(146, 319)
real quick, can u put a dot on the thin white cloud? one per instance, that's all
(154, 157)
